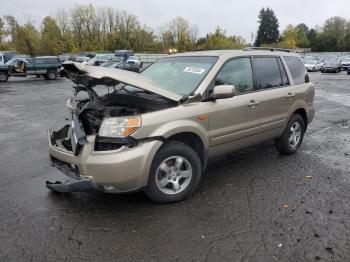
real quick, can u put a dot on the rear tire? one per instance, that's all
(51, 75)
(3, 77)
(289, 142)
(175, 173)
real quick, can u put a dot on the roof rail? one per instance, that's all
(272, 49)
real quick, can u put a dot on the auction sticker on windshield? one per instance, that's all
(194, 70)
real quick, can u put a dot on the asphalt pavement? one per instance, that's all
(252, 205)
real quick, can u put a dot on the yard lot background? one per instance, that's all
(252, 205)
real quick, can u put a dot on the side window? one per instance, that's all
(237, 72)
(267, 72)
(40, 61)
(297, 69)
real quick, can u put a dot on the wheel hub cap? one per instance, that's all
(294, 134)
(173, 175)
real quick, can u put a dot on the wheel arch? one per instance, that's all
(195, 142)
(301, 111)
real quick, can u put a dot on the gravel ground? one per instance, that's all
(252, 205)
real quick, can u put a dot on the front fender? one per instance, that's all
(183, 126)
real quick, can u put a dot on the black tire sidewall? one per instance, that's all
(282, 143)
(6, 77)
(173, 148)
(48, 75)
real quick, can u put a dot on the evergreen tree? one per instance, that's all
(268, 28)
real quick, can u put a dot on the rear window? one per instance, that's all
(297, 69)
(267, 72)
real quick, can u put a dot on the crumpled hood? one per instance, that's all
(96, 75)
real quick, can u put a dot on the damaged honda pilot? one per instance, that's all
(155, 131)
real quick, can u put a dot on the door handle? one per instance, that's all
(253, 103)
(290, 95)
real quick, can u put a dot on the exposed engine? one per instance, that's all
(120, 102)
(124, 100)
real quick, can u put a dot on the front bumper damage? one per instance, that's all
(115, 171)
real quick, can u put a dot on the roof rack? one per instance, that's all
(272, 49)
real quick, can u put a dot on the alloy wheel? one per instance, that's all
(294, 134)
(173, 175)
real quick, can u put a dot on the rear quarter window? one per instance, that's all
(297, 69)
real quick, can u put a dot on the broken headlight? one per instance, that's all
(119, 126)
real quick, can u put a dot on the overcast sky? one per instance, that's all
(238, 17)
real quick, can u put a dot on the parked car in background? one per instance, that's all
(82, 59)
(46, 66)
(88, 54)
(312, 65)
(100, 59)
(157, 129)
(125, 66)
(123, 55)
(135, 61)
(65, 57)
(6, 56)
(331, 66)
(112, 64)
(122, 65)
(345, 63)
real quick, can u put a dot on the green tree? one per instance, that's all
(268, 28)
(10, 30)
(2, 33)
(27, 39)
(289, 38)
(179, 34)
(335, 28)
(311, 36)
(219, 40)
(51, 38)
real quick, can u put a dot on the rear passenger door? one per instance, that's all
(272, 88)
(40, 66)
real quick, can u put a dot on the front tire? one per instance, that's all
(175, 173)
(3, 77)
(289, 142)
(51, 75)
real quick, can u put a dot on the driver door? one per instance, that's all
(234, 118)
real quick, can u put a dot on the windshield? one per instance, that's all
(180, 75)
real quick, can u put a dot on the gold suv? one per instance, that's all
(154, 131)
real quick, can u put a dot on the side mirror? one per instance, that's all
(223, 91)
